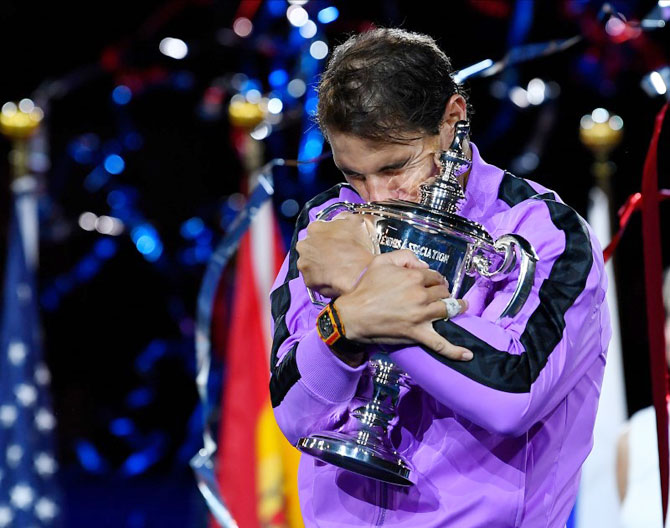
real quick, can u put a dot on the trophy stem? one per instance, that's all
(364, 446)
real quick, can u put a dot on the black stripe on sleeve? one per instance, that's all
(514, 190)
(285, 375)
(280, 299)
(544, 329)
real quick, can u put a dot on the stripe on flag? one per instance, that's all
(257, 465)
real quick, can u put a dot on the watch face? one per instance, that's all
(325, 325)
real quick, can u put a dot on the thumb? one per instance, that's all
(343, 215)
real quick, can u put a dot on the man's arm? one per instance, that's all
(310, 381)
(524, 366)
(310, 387)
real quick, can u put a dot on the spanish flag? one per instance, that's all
(257, 467)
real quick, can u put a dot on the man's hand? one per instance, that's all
(334, 254)
(396, 301)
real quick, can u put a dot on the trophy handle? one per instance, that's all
(313, 296)
(333, 210)
(506, 245)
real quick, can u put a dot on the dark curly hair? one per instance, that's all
(385, 85)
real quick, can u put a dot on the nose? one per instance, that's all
(380, 188)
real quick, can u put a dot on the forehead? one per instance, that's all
(364, 156)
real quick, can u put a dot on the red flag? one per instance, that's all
(256, 465)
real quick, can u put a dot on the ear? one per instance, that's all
(456, 110)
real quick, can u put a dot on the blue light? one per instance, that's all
(202, 253)
(192, 227)
(137, 463)
(188, 257)
(312, 149)
(117, 199)
(122, 95)
(289, 208)
(64, 284)
(156, 253)
(140, 461)
(133, 141)
(251, 84)
(79, 154)
(87, 268)
(183, 80)
(96, 179)
(276, 8)
(50, 299)
(139, 398)
(83, 148)
(328, 15)
(311, 105)
(154, 351)
(144, 229)
(204, 237)
(112, 146)
(114, 164)
(88, 456)
(105, 248)
(278, 78)
(122, 426)
(147, 242)
(307, 174)
(136, 519)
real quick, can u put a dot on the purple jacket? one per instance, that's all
(497, 441)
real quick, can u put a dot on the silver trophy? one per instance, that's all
(456, 247)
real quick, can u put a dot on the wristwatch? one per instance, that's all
(331, 331)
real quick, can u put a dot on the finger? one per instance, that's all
(371, 233)
(438, 310)
(453, 307)
(417, 264)
(343, 215)
(401, 257)
(427, 336)
(437, 293)
(433, 278)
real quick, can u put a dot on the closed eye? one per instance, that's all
(391, 169)
(394, 167)
(353, 175)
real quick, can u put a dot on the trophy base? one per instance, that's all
(376, 462)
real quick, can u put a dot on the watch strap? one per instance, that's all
(337, 339)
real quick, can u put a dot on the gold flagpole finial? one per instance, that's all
(19, 122)
(601, 132)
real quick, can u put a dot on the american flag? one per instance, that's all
(28, 488)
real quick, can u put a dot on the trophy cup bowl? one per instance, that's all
(450, 244)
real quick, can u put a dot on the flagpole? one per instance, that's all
(243, 116)
(29, 494)
(20, 123)
(598, 503)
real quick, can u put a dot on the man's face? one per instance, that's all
(380, 171)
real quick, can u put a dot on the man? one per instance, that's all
(500, 413)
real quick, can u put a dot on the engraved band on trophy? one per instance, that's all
(457, 248)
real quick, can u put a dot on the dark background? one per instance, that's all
(119, 338)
